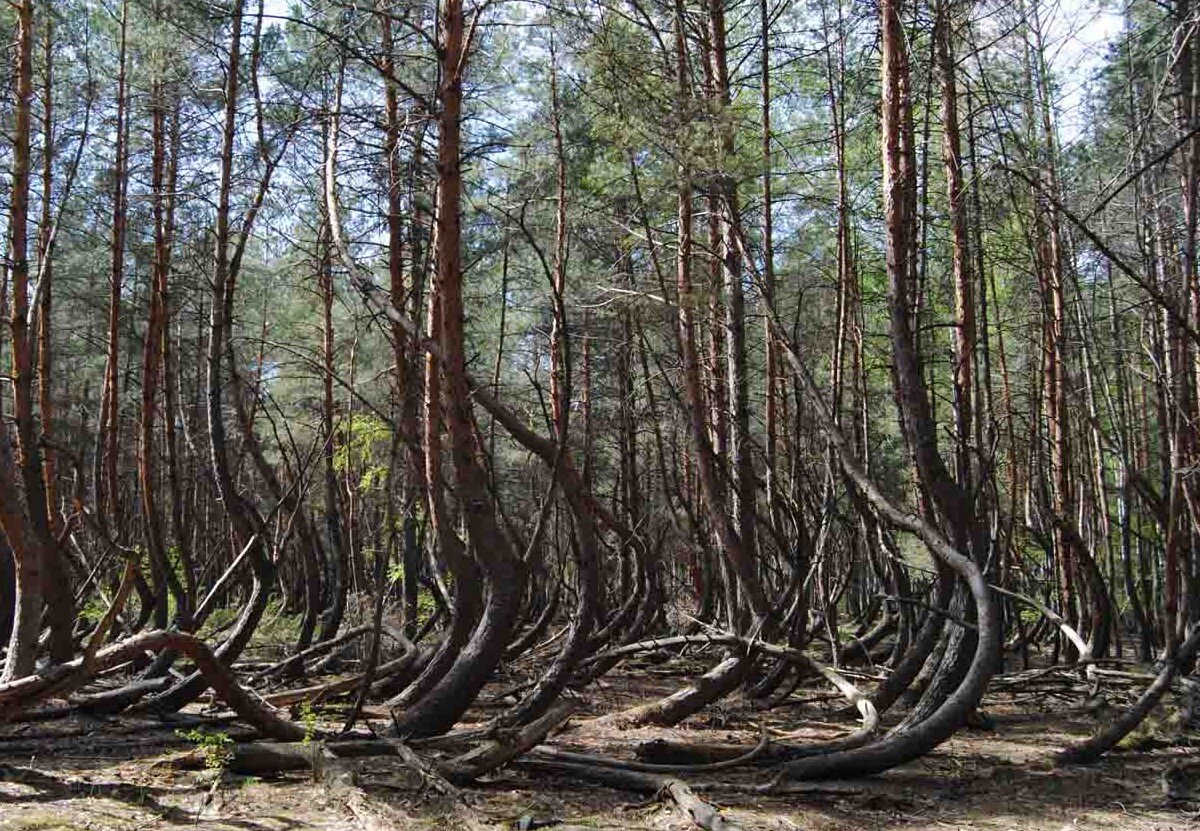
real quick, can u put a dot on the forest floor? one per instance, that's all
(79, 773)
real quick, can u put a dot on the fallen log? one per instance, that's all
(678, 755)
(701, 813)
(696, 809)
(507, 745)
(742, 757)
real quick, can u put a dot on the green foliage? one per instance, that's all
(216, 747)
(93, 610)
(361, 439)
(277, 628)
(425, 603)
(310, 720)
(396, 573)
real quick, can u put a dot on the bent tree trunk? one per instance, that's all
(956, 545)
(445, 703)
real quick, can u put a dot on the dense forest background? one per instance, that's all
(372, 354)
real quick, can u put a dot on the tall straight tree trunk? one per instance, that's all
(1124, 415)
(43, 508)
(1187, 393)
(221, 313)
(180, 527)
(848, 327)
(107, 482)
(560, 381)
(404, 377)
(743, 556)
(46, 279)
(964, 300)
(772, 383)
(162, 573)
(335, 540)
(1054, 393)
(28, 555)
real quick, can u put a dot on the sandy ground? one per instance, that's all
(76, 774)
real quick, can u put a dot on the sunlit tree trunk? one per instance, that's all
(454, 692)
(107, 482)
